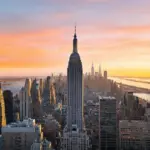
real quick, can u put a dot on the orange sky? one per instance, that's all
(31, 44)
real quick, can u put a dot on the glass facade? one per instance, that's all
(108, 124)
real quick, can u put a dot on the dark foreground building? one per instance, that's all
(8, 98)
(108, 124)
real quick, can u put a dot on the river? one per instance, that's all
(15, 86)
(132, 83)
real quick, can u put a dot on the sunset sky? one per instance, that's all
(36, 36)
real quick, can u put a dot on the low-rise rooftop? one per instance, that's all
(106, 98)
(25, 123)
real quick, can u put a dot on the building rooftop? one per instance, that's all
(25, 123)
(106, 98)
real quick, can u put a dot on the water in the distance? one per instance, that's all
(131, 83)
(143, 96)
(13, 86)
(139, 79)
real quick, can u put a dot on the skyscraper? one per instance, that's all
(41, 86)
(100, 71)
(8, 99)
(107, 123)
(75, 89)
(49, 95)
(2, 109)
(92, 70)
(33, 90)
(36, 103)
(25, 100)
(105, 74)
(47, 91)
(74, 136)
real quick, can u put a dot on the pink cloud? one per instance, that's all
(52, 47)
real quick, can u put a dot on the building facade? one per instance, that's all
(75, 140)
(105, 74)
(21, 135)
(92, 71)
(75, 89)
(2, 110)
(134, 106)
(134, 134)
(41, 86)
(107, 123)
(100, 71)
(49, 95)
(8, 98)
(74, 135)
(25, 101)
(41, 145)
(1, 142)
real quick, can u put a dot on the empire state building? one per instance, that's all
(74, 134)
(75, 89)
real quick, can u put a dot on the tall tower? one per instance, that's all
(2, 109)
(74, 135)
(100, 71)
(92, 70)
(75, 89)
(41, 86)
(25, 100)
(36, 100)
(8, 100)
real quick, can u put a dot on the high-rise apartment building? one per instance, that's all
(25, 101)
(41, 86)
(108, 131)
(100, 71)
(92, 70)
(134, 106)
(105, 74)
(49, 95)
(33, 90)
(37, 111)
(8, 98)
(2, 109)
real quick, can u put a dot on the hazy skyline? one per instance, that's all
(38, 35)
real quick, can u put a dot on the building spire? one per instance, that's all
(75, 41)
(75, 29)
(92, 69)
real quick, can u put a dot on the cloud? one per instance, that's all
(42, 48)
(34, 49)
(41, 35)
